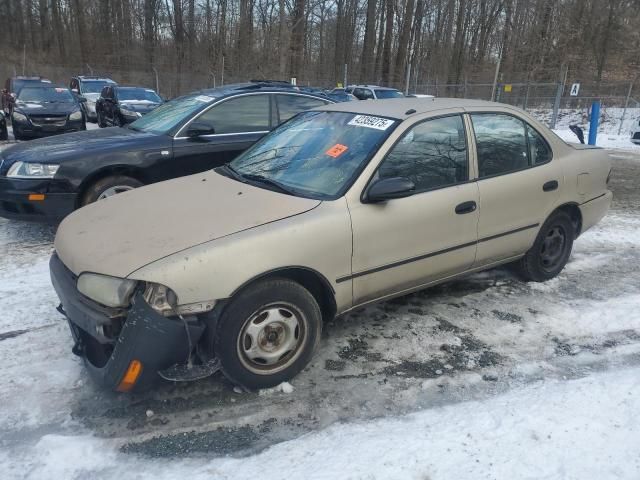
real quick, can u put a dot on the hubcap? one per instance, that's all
(109, 192)
(553, 247)
(271, 338)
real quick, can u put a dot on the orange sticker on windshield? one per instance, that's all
(336, 150)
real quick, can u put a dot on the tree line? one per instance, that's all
(380, 41)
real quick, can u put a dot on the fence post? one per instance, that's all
(346, 67)
(406, 90)
(526, 96)
(464, 92)
(556, 104)
(626, 104)
(157, 82)
(495, 77)
(593, 124)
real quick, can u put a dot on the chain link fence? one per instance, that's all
(556, 104)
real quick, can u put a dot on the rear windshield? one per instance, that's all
(93, 86)
(388, 94)
(45, 95)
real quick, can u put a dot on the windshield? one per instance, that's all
(93, 86)
(20, 84)
(45, 95)
(316, 154)
(388, 94)
(139, 95)
(169, 115)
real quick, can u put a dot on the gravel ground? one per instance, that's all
(465, 340)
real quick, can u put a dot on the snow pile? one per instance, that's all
(586, 428)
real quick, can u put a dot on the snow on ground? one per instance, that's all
(584, 428)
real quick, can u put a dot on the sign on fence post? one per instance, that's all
(575, 88)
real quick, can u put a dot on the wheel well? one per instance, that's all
(574, 213)
(313, 281)
(107, 172)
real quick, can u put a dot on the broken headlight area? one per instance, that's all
(165, 302)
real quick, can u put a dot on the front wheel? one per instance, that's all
(109, 186)
(100, 119)
(550, 251)
(268, 333)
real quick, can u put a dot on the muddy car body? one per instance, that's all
(341, 206)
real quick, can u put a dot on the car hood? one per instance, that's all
(91, 97)
(67, 147)
(123, 233)
(35, 108)
(142, 107)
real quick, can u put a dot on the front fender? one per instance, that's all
(319, 240)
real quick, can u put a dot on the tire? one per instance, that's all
(278, 314)
(551, 250)
(118, 183)
(4, 134)
(100, 120)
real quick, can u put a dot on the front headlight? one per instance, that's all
(32, 170)
(130, 113)
(20, 117)
(76, 116)
(106, 290)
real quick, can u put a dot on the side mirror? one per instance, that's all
(198, 129)
(388, 189)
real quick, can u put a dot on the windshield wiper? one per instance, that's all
(266, 181)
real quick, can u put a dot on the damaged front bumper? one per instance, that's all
(124, 349)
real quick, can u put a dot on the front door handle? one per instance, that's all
(550, 186)
(466, 207)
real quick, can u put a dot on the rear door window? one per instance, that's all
(238, 115)
(501, 143)
(290, 105)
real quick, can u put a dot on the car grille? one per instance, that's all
(48, 120)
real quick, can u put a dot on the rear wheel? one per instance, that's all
(268, 333)
(108, 186)
(550, 251)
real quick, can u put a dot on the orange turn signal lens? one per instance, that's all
(130, 377)
(36, 197)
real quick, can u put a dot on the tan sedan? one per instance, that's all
(237, 268)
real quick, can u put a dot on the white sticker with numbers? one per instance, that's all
(368, 121)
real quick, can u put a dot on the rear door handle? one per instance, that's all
(550, 186)
(466, 207)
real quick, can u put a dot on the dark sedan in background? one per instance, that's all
(118, 106)
(47, 179)
(41, 110)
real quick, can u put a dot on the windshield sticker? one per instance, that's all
(204, 98)
(371, 122)
(337, 150)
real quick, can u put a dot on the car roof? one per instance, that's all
(401, 108)
(238, 88)
(89, 78)
(377, 87)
